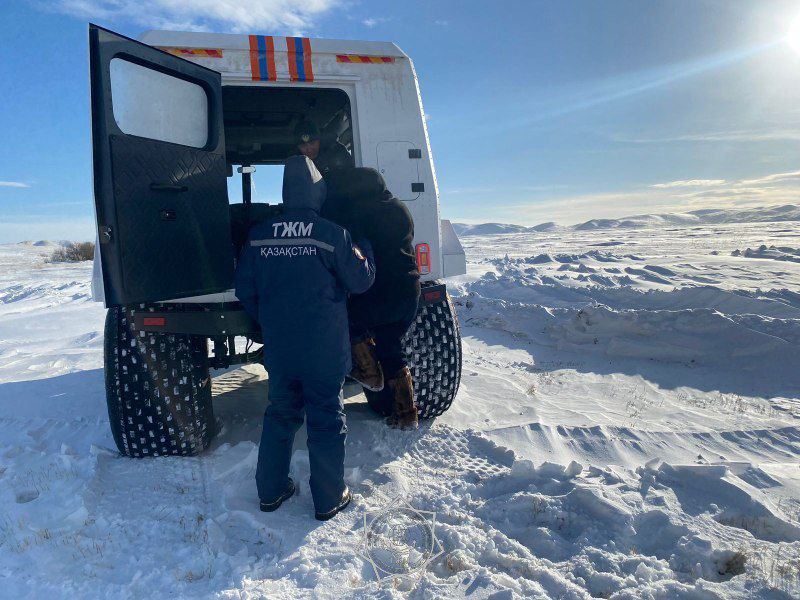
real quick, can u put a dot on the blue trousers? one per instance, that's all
(320, 399)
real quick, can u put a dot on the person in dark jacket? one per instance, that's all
(379, 318)
(293, 277)
(328, 155)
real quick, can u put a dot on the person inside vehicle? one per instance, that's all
(328, 155)
(379, 318)
(293, 277)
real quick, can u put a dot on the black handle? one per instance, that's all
(168, 187)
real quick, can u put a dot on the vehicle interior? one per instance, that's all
(260, 121)
(259, 130)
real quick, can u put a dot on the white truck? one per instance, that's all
(173, 116)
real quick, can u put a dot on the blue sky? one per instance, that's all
(538, 111)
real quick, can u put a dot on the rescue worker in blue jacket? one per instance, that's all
(294, 276)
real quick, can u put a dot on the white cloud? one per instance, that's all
(689, 183)
(14, 184)
(781, 135)
(773, 178)
(372, 21)
(236, 16)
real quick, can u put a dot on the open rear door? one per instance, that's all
(159, 173)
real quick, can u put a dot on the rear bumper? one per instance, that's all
(217, 321)
(230, 319)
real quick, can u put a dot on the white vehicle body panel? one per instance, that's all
(453, 258)
(387, 116)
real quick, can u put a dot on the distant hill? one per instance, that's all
(549, 226)
(488, 229)
(43, 243)
(708, 216)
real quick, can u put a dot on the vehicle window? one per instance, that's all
(158, 106)
(267, 185)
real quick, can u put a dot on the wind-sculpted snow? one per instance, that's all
(773, 253)
(62, 292)
(697, 336)
(621, 292)
(627, 427)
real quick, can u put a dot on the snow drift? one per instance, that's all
(627, 427)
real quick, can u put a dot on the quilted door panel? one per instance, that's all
(172, 230)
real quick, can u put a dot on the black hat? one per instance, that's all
(306, 131)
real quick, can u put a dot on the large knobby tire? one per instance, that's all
(433, 347)
(158, 389)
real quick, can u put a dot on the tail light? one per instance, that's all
(432, 296)
(424, 259)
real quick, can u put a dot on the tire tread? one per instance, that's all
(433, 347)
(158, 389)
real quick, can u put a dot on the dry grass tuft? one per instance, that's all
(73, 252)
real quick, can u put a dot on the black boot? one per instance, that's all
(346, 497)
(276, 504)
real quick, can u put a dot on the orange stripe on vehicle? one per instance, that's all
(262, 58)
(307, 59)
(211, 52)
(271, 73)
(291, 54)
(254, 69)
(362, 58)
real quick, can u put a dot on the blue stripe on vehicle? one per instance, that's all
(298, 48)
(262, 57)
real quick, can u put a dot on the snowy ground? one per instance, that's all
(627, 427)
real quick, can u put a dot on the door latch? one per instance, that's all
(105, 234)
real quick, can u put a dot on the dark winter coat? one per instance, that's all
(293, 277)
(359, 201)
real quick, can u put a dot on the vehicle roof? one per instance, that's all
(236, 41)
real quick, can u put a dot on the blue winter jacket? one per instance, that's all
(294, 275)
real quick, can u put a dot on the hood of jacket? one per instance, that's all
(303, 186)
(357, 184)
